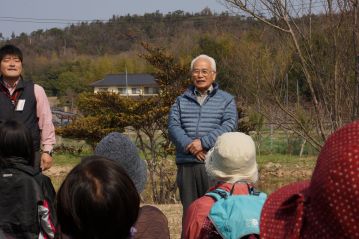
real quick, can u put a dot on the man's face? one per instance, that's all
(11, 67)
(202, 75)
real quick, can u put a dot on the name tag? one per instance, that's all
(20, 105)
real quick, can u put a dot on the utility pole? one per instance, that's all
(126, 81)
(286, 91)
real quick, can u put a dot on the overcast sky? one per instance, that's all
(24, 15)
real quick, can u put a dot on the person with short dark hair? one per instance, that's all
(26, 195)
(151, 222)
(15, 141)
(26, 102)
(97, 200)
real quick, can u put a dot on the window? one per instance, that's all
(135, 91)
(102, 89)
(156, 90)
(151, 90)
(122, 90)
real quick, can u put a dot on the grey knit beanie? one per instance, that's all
(119, 148)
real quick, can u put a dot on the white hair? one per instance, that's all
(205, 57)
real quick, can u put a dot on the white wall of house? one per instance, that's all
(131, 90)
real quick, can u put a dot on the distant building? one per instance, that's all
(130, 84)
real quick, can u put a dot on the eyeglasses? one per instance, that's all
(205, 72)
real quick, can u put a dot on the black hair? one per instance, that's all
(97, 200)
(10, 50)
(15, 141)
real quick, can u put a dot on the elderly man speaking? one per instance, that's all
(201, 114)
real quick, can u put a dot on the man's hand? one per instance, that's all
(46, 161)
(195, 147)
(201, 155)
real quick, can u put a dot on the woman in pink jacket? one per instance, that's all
(232, 159)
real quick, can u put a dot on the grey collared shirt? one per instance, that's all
(202, 97)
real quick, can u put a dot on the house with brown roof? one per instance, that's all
(127, 84)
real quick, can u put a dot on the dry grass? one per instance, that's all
(173, 213)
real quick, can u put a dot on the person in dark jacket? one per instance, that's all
(26, 195)
(196, 119)
(26, 102)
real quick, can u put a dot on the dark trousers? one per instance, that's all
(192, 182)
(37, 160)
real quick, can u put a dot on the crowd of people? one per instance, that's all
(216, 174)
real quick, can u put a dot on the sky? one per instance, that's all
(30, 15)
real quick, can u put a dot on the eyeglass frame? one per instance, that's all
(205, 72)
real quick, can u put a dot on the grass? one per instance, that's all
(63, 163)
(275, 169)
(67, 159)
(281, 142)
(278, 170)
(285, 159)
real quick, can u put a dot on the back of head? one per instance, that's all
(97, 200)
(334, 186)
(327, 206)
(233, 158)
(10, 50)
(15, 141)
(119, 148)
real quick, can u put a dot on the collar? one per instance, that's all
(239, 188)
(207, 92)
(190, 91)
(18, 84)
(19, 163)
(9, 86)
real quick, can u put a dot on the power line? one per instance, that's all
(27, 21)
(72, 21)
(52, 19)
(47, 20)
(69, 21)
(262, 10)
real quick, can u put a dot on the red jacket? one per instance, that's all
(196, 216)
